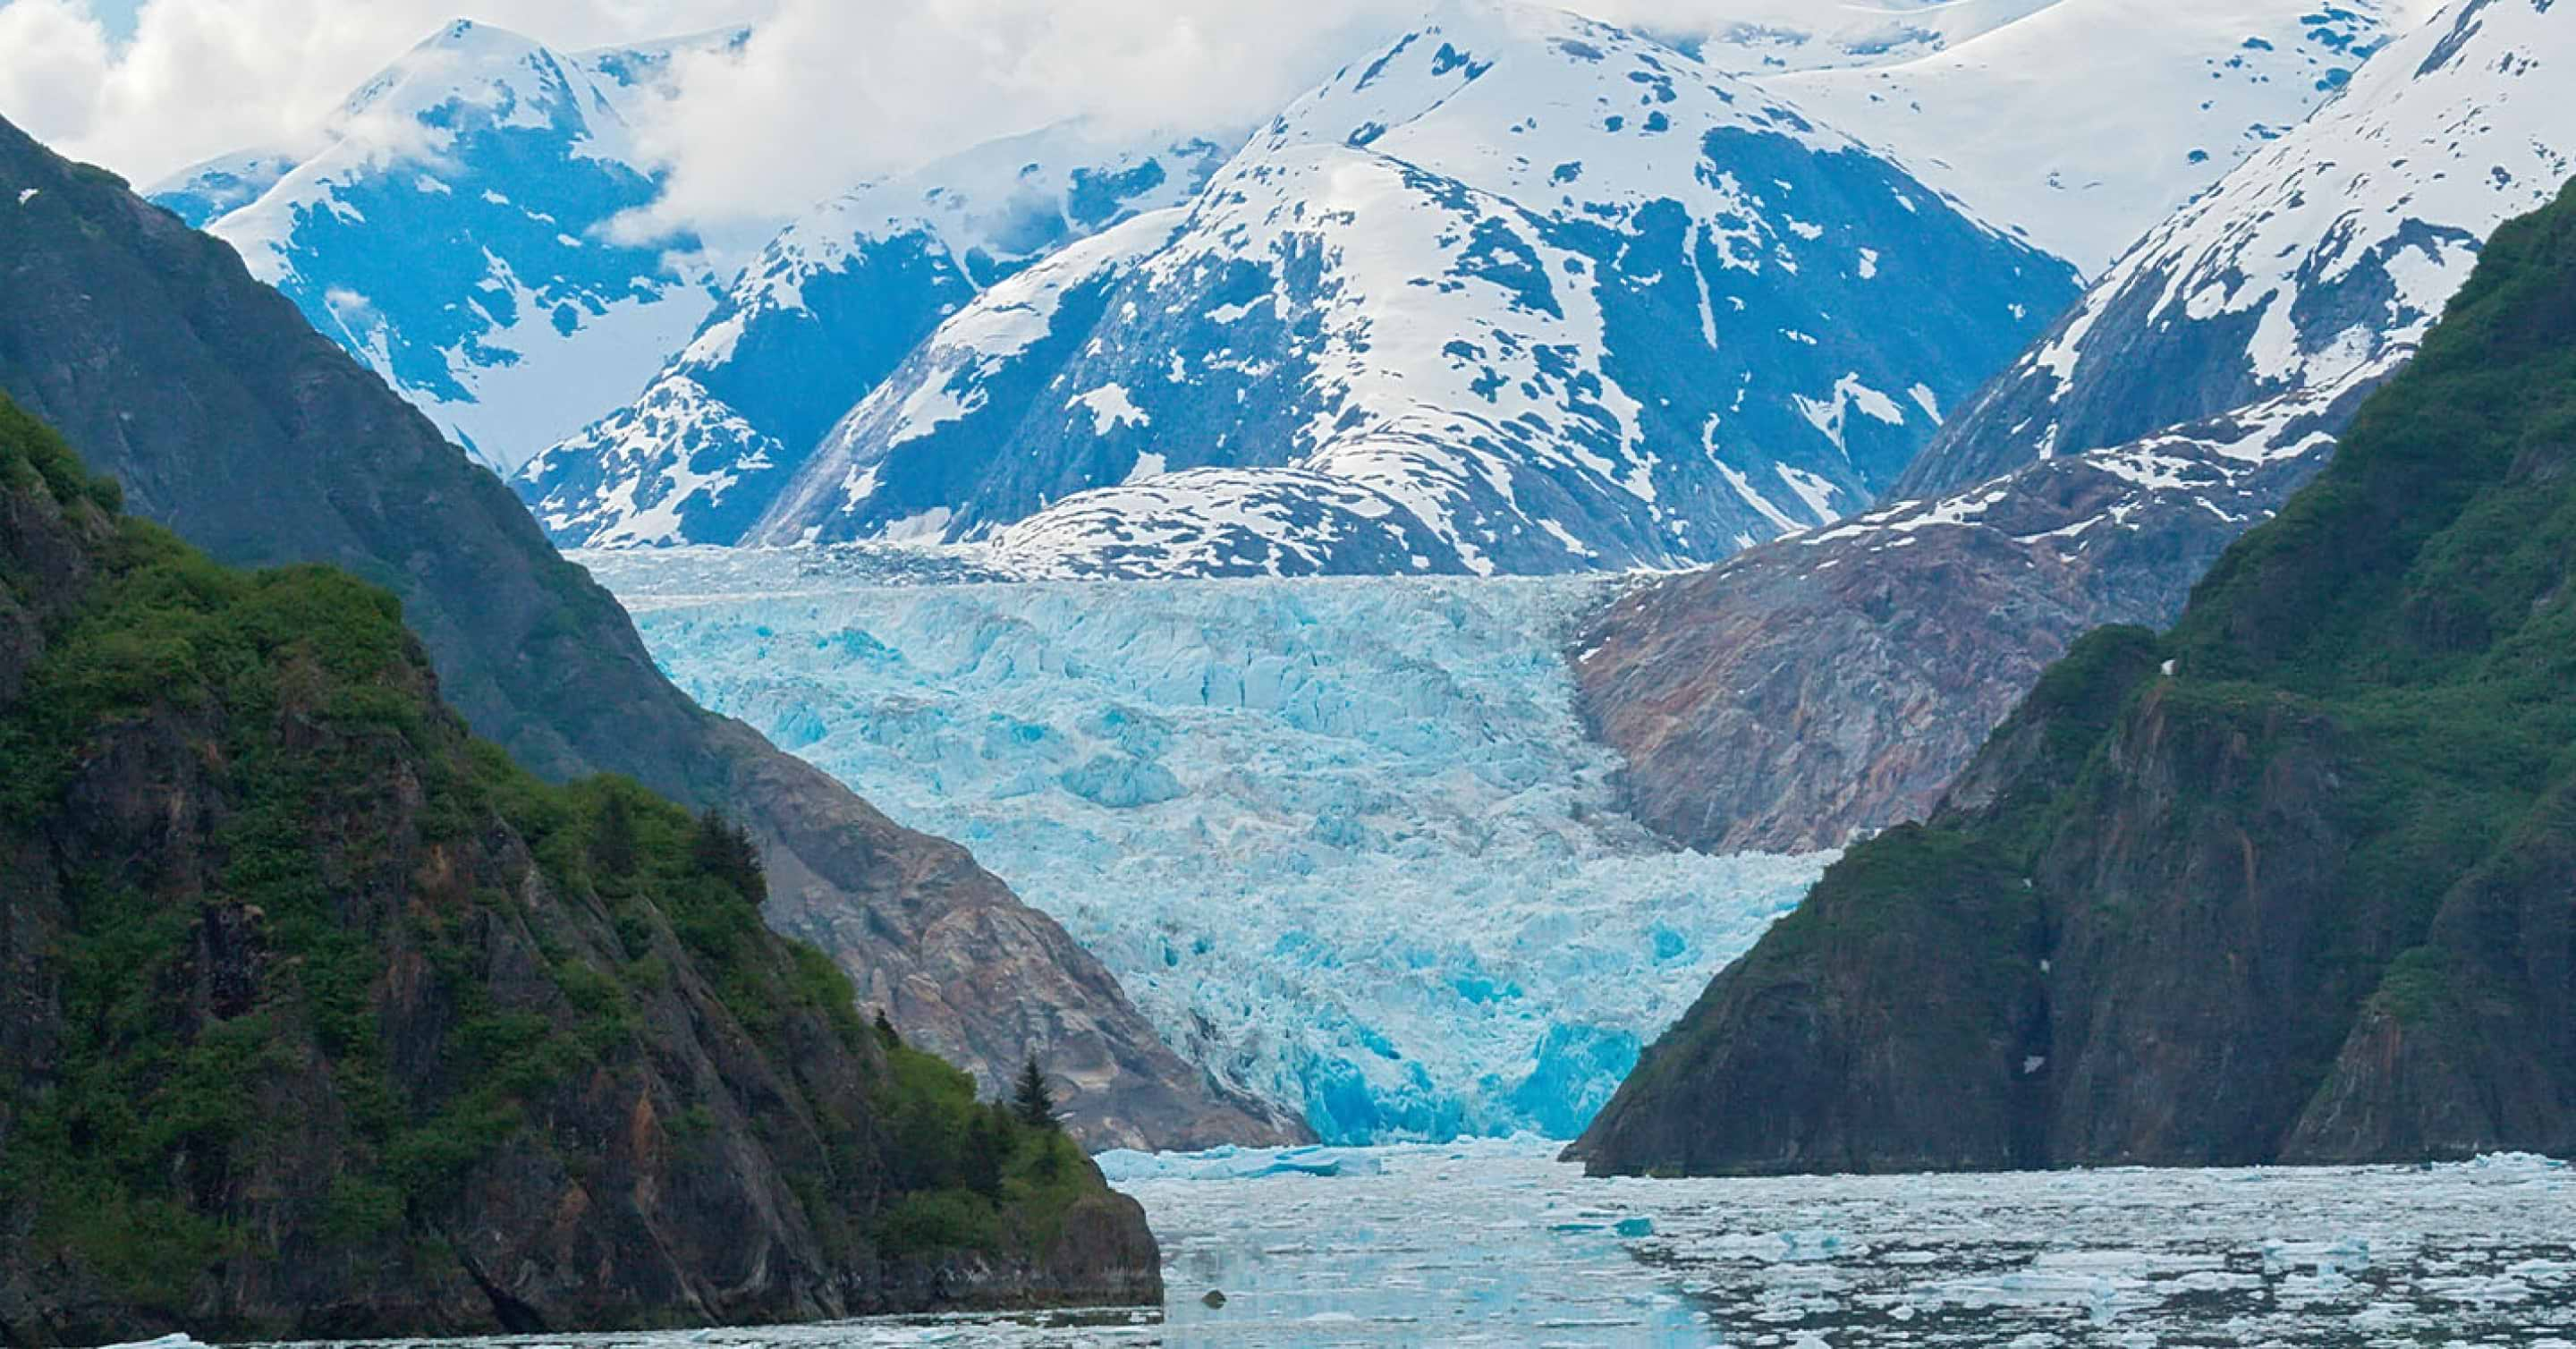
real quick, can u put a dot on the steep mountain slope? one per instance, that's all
(207, 192)
(2319, 264)
(828, 310)
(325, 1021)
(1835, 682)
(450, 228)
(2084, 125)
(229, 419)
(1521, 293)
(2291, 883)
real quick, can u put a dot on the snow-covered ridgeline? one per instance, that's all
(450, 224)
(2083, 124)
(1518, 293)
(2320, 262)
(1344, 841)
(829, 307)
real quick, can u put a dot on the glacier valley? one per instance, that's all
(1343, 840)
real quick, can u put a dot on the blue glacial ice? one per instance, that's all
(1343, 841)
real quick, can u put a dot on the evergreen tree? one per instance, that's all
(1033, 1103)
(886, 1033)
(726, 849)
(988, 1147)
(614, 849)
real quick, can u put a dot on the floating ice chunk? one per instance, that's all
(1230, 1163)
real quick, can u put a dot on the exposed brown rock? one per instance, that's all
(1832, 684)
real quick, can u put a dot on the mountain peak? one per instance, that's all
(448, 225)
(2319, 263)
(475, 36)
(465, 62)
(1522, 292)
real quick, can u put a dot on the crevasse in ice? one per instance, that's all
(1342, 840)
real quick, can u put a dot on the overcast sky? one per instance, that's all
(830, 91)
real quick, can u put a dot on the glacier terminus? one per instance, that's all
(1342, 839)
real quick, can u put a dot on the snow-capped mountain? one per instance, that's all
(2317, 266)
(450, 227)
(212, 190)
(1838, 681)
(2082, 125)
(826, 312)
(1521, 293)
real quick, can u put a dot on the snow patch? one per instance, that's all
(1110, 408)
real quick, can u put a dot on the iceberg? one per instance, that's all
(1343, 840)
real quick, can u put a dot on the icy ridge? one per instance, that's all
(826, 311)
(2321, 262)
(1521, 293)
(2081, 126)
(1342, 840)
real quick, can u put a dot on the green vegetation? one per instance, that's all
(2371, 699)
(1032, 1101)
(341, 806)
(968, 1163)
(30, 453)
(2406, 625)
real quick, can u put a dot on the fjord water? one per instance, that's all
(1498, 1244)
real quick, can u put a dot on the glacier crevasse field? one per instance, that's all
(1343, 840)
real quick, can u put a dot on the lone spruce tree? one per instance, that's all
(728, 850)
(614, 848)
(1033, 1103)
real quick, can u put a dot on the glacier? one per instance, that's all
(1343, 840)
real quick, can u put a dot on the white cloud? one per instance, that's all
(830, 92)
(827, 93)
(204, 77)
(51, 54)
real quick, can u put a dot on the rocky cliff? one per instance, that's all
(323, 1020)
(2288, 884)
(1831, 684)
(227, 418)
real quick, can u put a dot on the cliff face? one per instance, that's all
(1834, 682)
(2289, 884)
(323, 1020)
(229, 420)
